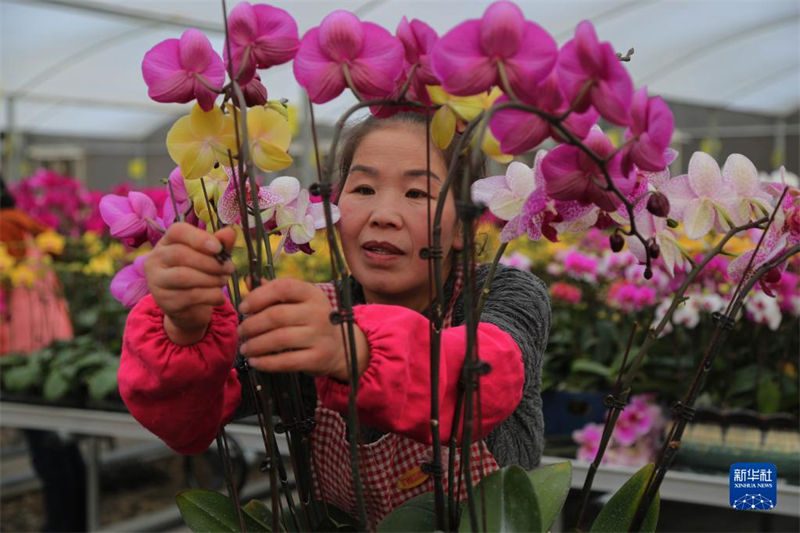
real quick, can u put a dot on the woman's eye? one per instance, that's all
(416, 193)
(363, 189)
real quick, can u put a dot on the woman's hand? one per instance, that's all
(288, 329)
(186, 279)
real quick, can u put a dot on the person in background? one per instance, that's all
(35, 315)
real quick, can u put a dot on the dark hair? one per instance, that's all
(359, 131)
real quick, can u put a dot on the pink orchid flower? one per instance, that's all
(572, 175)
(519, 131)
(176, 190)
(132, 218)
(760, 308)
(129, 284)
(228, 207)
(261, 36)
(701, 199)
(653, 227)
(585, 62)
(517, 260)
(418, 40)
(636, 420)
(469, 58)
(752, 200)
(589, 440)
(505, 195)
(650, 132)
(343, 47)
(180, 70)
(300, 220)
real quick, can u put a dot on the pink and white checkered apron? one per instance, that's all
(390, 468)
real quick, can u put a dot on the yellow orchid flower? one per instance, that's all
(215, 183)
(50, 242)
(269, 134)
(453, 109)
(456, 109)
(199, 140)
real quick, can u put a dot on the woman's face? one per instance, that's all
(384, 215)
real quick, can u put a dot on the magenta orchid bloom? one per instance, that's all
(650, 132)
(133, 218)
(585, 62)
(341, 47)
(228, 208)
(180, 70)
(129, 284)
(519, 131)
(177, 188)
(261, 36)
(418, 40)
(468, 58)
(572, 175)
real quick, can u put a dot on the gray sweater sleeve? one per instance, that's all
(518, 303)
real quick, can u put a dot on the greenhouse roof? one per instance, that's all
(72, 67)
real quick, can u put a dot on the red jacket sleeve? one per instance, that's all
(394, 390)
(183, 394)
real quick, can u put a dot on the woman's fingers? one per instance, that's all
(279, 291)
(195, 238)
(176, 301)
(278, 340)
(274, 317)
(182, 255)
(188, 278)
(306, 360)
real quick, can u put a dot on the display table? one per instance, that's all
(703, 489)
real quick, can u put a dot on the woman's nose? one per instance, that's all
(385, 213)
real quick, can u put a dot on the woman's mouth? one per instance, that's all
(381, 248)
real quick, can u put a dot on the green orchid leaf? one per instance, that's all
(56, 385)
(102, 382)
(511, 503)
(20, 378)
(206, 510)
(259, 512)
(768, 396)
(617, 514)
(591, 367)
(551, 484)
(416, 514)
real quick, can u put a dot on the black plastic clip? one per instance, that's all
(340, 317)
(431, 469)
(240, 363)
(683, 411)
(478, 367)
(434, 252)
(612, 402)
(323, 189)
(723, 320)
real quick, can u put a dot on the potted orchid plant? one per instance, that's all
(502, 81)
